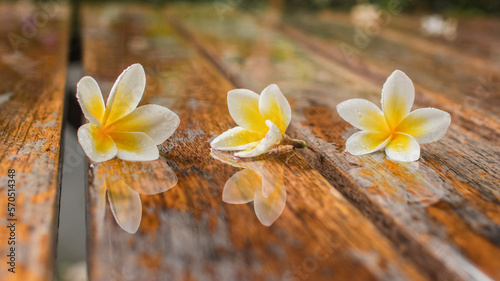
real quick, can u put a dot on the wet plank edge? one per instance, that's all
(41, 267)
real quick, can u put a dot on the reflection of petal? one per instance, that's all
(148, 178)
(269, 209)
(240, 188)
(261, 181)
(97, 195)
(101, 201)
(272, 176)
(126, 206)
(425, 195)
(123, 181)
(225, 157)
(152, 177)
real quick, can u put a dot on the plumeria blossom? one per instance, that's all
(365, 14)
(262, 122)
(436, 25)
(394, 127)
(120, 128)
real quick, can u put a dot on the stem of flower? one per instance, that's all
(294, 142)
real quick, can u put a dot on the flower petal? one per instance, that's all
(237, 138)
(398, 95)
(244, 109)
(89, 97)
(274, 106)
(125, 94)
(97, 145)
(135, 146)
(156, 121)
(240, 188)
(365, 142)
(273, 138)
(268, 209)
(425, 124)
(225, 157)
(403, 148)
(363, 115)
(125, 205)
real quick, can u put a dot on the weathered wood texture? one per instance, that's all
(442, 211)
(33, 59)
(470, 37)
(189, 232)
(465, 85)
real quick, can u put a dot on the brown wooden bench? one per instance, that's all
(439, 215)
(33, 60)
(437, 178)
(332, 216)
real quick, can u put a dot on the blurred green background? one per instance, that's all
(458, 8)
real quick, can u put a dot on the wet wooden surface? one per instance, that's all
(419, 204)
(468, 39)
(33, 59)
(191, 232)
(464, 84)
(436, 201)
(333, 216)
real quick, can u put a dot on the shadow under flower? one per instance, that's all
(261, 181)
(122, 182)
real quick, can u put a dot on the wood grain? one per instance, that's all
(469, 39)
(464, 85)
(442, 211)
(189, 232)
(32, 80)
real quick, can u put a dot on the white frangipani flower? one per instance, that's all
(394, 127)
(365, 14)
(120, 128)
(262, 122)
(436, 25)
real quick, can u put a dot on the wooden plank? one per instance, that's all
(407, 30)
(442, 211)
(188, 232)
(33, 58)
(476, 36)
(466, 86)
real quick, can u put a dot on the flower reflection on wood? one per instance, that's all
(123, 188)
(261, 181)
